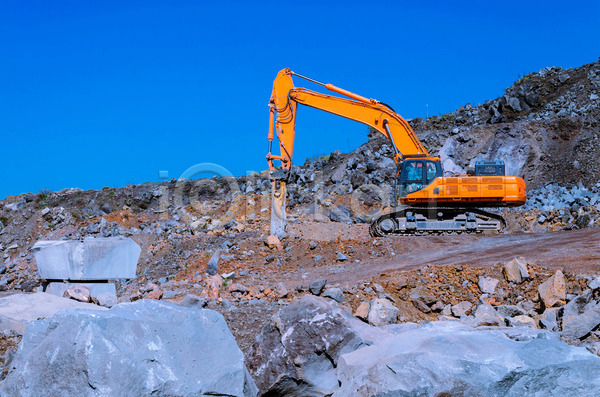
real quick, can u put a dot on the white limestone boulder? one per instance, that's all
(91, 259)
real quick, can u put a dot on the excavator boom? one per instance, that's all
(283, 106)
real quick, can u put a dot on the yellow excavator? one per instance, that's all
(431, 202)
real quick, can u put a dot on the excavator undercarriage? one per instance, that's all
(419, 221)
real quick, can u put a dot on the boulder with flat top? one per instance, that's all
(91, 259)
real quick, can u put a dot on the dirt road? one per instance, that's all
(576, 251)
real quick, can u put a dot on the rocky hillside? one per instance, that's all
(546, 128)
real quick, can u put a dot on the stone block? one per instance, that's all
(90, 259)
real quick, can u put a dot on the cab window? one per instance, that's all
(431, 172)
(412, 177)
(413, 172)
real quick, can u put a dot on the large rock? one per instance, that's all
(18, 310)
(515, 271)
(461, 308)
(90, 259)
(487, 285)
(312, 348)
(450, 358)
(553, 291)
(581, 315)
(297, 351)
(485, 314)
(382, 312)
(134, 349)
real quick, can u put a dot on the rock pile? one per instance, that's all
(555, 303)
(553, 196)
(567, 218)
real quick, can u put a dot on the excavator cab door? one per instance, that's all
(415, 174)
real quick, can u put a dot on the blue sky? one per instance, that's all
(106, 93)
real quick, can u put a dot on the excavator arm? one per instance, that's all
(283, 107)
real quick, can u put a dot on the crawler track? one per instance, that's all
(417, 221)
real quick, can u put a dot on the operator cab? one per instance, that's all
(415, 174)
